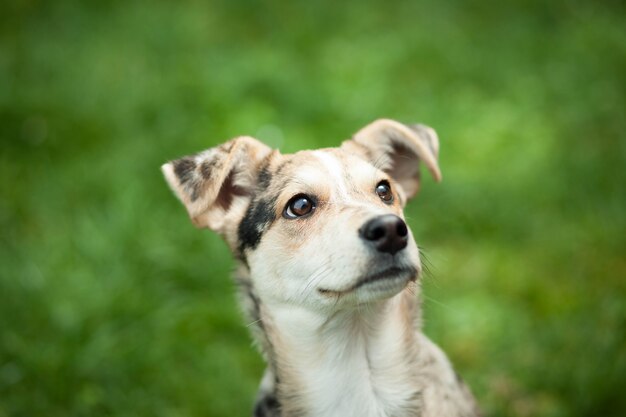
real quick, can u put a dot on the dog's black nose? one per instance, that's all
(388, 233)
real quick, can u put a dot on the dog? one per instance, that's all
(328, 271)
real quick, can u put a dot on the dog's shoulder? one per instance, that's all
(266, 403)
(444, 393)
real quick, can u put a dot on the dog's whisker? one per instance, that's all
(427, 265)
(317, 276)
(254, 322)
(439, 303)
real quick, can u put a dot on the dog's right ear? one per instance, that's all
(216, 185)
(398, 149)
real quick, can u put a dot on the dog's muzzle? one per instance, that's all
(387, 233)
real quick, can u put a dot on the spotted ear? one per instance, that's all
(398, 149)
(216, 185)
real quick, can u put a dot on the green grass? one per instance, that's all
(112, 304)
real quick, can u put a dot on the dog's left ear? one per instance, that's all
(216, 185)
(397, 149)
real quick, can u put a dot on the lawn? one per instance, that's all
(113, 304)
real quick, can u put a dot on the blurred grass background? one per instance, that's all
(112, 304)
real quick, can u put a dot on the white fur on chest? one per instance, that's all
(354, 364)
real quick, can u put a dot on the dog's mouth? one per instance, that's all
(380, 280)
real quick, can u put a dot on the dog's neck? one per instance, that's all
(353, 362)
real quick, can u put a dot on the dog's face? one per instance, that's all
(322, 229)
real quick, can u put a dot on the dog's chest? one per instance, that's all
(354, 389)
(357, 377)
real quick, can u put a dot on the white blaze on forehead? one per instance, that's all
(340, 174)
(336, 173)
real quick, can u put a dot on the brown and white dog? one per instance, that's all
(328, 270)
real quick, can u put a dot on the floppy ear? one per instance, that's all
(397, 149)
(216, 185)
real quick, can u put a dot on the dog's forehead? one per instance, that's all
(330, 165)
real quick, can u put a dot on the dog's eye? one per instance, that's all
(383, 189)
(299, 206)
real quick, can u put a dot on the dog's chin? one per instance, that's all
(376, 285)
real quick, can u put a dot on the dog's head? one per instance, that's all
(323, 228)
